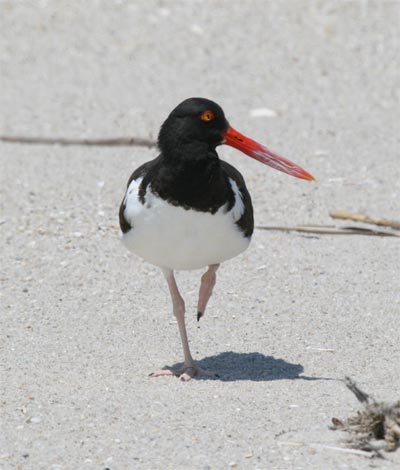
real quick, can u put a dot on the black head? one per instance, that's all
(196, 121)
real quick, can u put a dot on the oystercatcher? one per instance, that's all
(187, 209)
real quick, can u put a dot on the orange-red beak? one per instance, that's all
(255, 150)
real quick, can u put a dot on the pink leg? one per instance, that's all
(207, 284)
(190, 369)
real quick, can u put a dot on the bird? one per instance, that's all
(187, 209)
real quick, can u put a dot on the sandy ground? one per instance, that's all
(84, 321)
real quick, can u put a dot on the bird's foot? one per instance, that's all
(186, 373)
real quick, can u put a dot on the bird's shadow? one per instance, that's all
(231, 366)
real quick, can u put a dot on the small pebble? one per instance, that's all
(195, 28)
(263, 112)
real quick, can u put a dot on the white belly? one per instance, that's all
(176, 238)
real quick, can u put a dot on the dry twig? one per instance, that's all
(345, 215)
(112, 142)
(330, 230)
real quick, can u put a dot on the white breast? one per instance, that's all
(172, 237)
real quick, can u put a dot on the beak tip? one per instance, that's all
(307, 176)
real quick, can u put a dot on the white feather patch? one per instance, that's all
(238, 208)
(172, 237)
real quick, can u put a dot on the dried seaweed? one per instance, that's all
(375, 428)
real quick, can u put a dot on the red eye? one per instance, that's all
(207, 115)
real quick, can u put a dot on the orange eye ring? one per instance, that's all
(207, 115)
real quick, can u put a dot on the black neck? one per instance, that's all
(191, 177)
